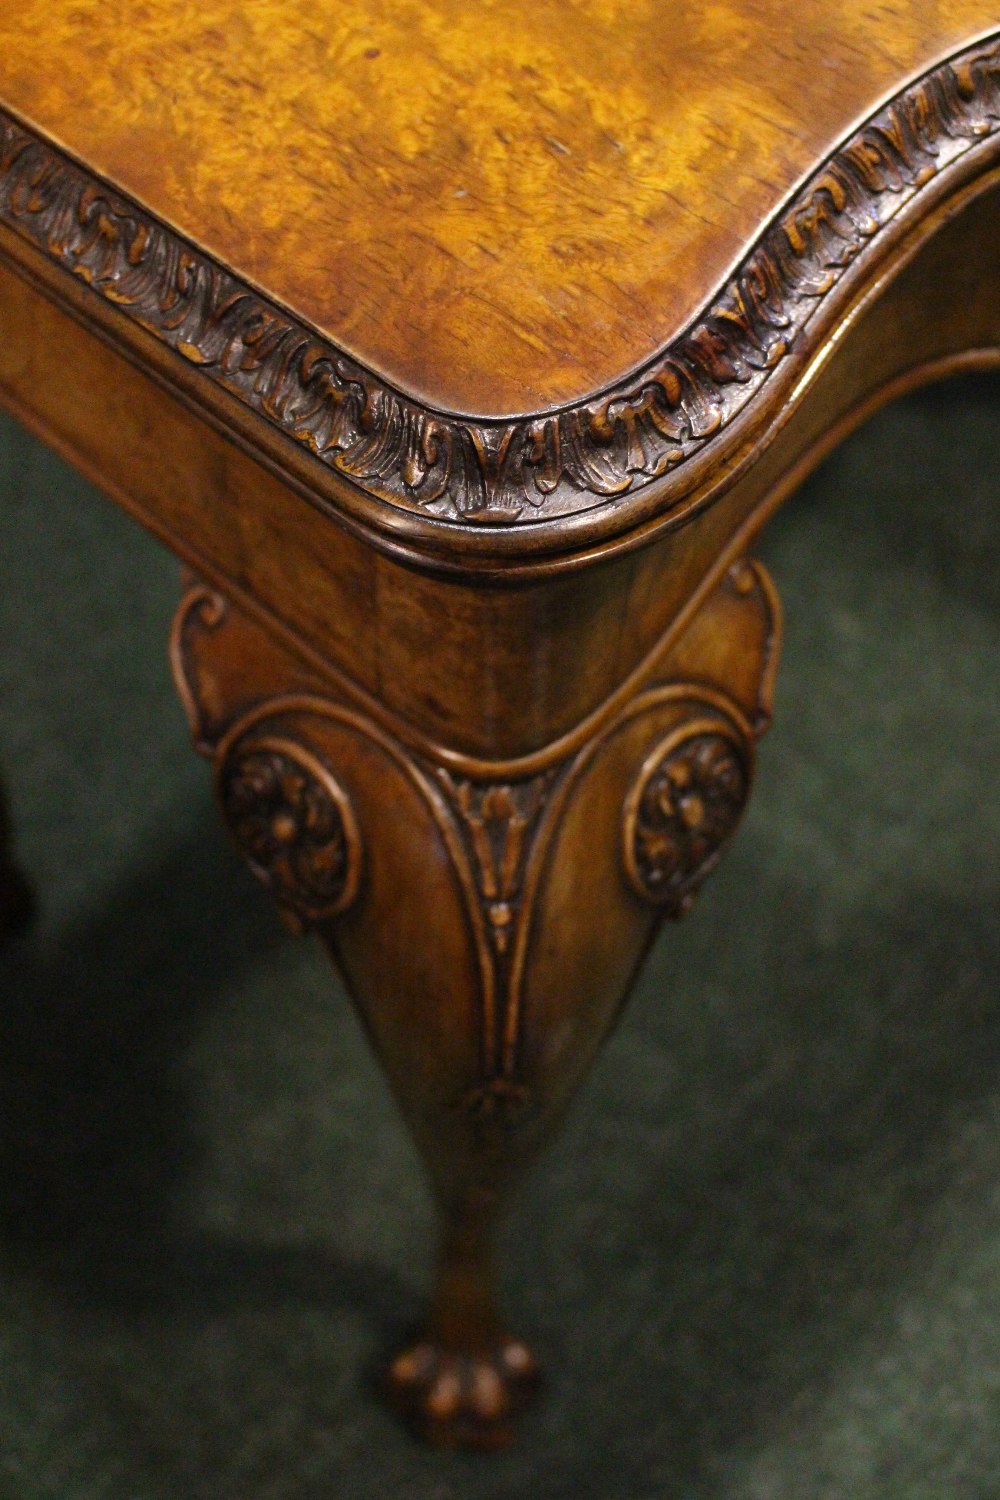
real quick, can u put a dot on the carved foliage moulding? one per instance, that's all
(566, 461)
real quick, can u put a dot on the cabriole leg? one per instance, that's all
(488, 919)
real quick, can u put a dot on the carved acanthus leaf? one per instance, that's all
(498, 819)
(498, 822)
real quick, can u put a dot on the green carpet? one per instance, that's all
(762, 1262)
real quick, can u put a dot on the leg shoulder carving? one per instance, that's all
(317, 794)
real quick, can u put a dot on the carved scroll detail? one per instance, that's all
(566, 461)
(682, 809)
(295, 824)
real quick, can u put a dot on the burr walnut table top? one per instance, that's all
(551, 268)
(497, 206)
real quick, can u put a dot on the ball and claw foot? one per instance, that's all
(454, 1399)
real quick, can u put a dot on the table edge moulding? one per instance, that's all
(482, 696)
(596, 467)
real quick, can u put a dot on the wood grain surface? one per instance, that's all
(498, 207)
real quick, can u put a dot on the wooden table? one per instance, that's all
(461, 352)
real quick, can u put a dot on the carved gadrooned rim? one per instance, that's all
(682, 809)
(535, 468)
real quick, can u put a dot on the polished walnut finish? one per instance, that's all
(462, 353)
(636, 430)
(500, 207)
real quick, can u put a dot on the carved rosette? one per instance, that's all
(294, 823)
(682, 809)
